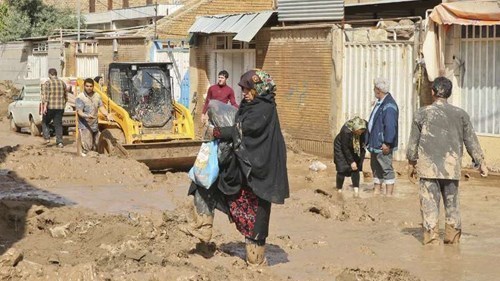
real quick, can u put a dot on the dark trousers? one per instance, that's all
(55, 116)
(354, 177)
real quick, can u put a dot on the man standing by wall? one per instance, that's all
(88, 104)
(221, 92)
(383, 137)
(54, 97)
(437, 136)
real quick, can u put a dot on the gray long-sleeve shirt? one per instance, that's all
(438, 134)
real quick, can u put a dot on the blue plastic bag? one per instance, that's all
(206, 167)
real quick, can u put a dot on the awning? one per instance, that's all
(245, 26)
(484, 12)
(467, 13)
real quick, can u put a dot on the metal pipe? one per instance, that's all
(78, 15)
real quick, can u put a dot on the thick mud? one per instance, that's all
(64, 217)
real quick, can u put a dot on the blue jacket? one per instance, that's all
(385, 126)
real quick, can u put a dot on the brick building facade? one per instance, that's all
(90, 6)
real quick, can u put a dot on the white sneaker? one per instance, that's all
(339, 190)
(83, 154)
(356, 189)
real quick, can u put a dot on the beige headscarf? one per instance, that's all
(355, 124)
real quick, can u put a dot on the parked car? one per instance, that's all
(25, 110)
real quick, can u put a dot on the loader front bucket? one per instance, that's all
(177, 155)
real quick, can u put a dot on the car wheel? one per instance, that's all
(13, 126)
(35, 130)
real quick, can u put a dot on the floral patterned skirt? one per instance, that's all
(250, 214)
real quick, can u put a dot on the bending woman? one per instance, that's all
(349, 152)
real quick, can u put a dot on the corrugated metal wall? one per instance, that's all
(87, 66)
(310, 10)
(480, 51)
(365, 62)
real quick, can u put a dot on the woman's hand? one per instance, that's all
(354, 166)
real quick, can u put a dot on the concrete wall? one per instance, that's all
(13, 59)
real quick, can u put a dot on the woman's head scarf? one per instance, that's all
(355, 124)
(259, 80)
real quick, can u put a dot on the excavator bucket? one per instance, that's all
(178, 155)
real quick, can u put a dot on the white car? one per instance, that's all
(25, 110)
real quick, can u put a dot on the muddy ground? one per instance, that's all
(64, 217)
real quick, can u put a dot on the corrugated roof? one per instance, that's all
(310, 10)
(245, 26)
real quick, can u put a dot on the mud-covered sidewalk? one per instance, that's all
(64, 217)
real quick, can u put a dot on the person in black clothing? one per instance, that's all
(255, 174)
(349, 152)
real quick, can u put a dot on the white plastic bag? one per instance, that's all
(206, 167)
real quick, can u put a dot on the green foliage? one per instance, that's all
(13, 24)
(25, 18)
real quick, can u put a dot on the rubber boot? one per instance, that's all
(431, 237)
(201, 228)
(451, 235)
(255, 254)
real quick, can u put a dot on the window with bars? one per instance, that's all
(480, 81)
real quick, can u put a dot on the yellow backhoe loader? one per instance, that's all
(149, 125)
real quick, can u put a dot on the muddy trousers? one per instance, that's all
(431, 191)
(354, 178)
(383, 171)
(89, 140)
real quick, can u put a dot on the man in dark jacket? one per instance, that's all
(438, 134)
(383, 137)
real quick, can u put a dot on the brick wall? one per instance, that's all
(70, 59)
(300, 63)
(199, 60)
(100, 5)
(129, 50)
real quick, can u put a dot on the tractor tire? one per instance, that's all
(108, 140)
(13, 126)
(34, 129)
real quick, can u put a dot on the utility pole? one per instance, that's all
(156, 15)
(78, 15)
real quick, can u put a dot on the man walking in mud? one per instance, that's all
(437, 136)
(88, 103)
(54, 97)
